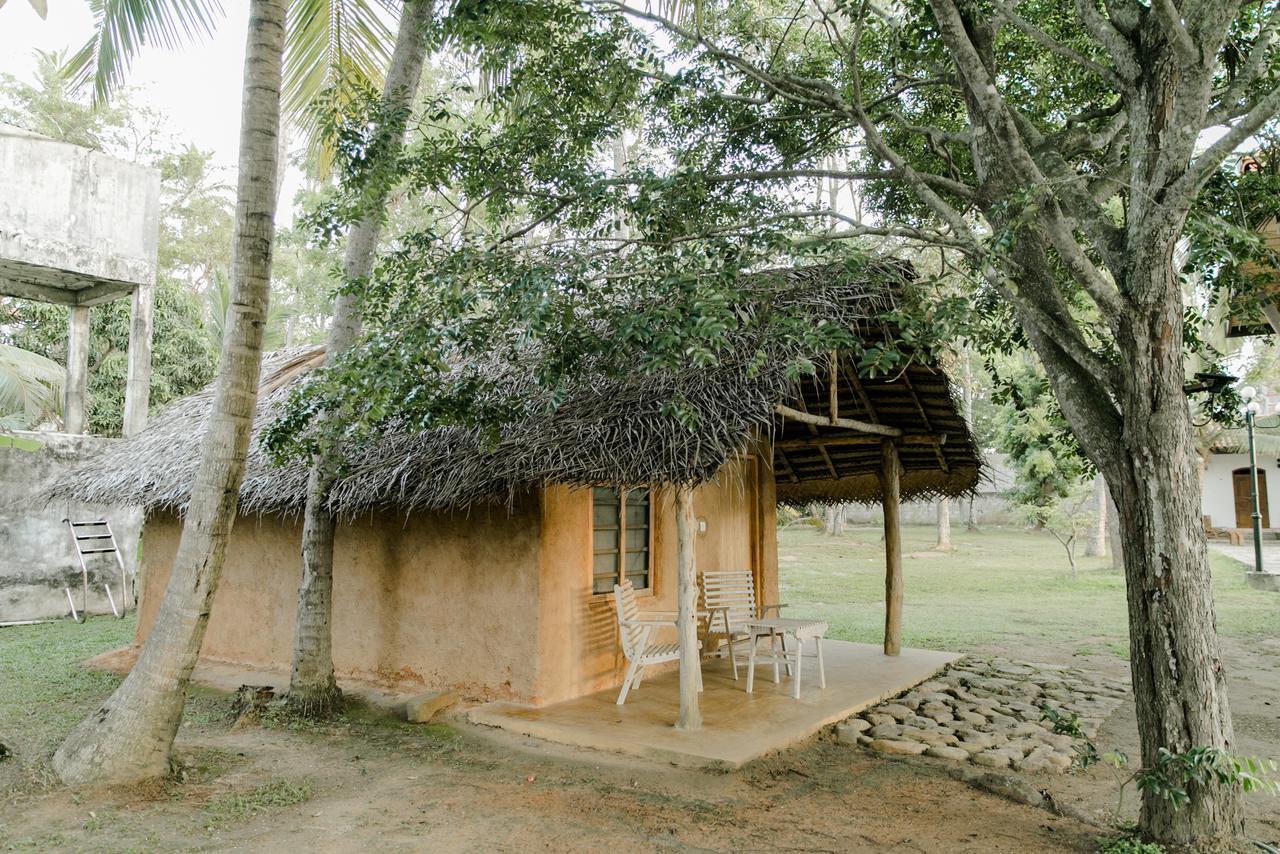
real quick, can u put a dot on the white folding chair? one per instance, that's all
(636, 629)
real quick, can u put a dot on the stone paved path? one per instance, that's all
(989, 712)
(1244, 553)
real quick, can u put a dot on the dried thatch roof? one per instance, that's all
(608, 431)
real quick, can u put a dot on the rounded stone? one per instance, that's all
(897, 747)
(955, 754)
(992, 759)
(897, 711)
(885, 731)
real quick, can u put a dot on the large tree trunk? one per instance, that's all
(1144, 446)
(1096, 544)
(313, 691)
(1113, 535)
(835, 520)
(1178, 677)
(944, 526)
(130, 736)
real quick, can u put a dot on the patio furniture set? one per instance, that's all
(730, 609)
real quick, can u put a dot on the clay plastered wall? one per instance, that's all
(578, 641)
(37, 558)
(435, 600)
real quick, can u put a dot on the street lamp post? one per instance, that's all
(1251, 408)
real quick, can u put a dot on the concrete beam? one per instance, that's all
(137, 390)
(77, 370)
(57, 286)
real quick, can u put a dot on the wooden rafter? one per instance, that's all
(803, 416)
(781, 456)
(924, 416)
(851, 376)
(846, 423)
(833, 388)
(869, 441)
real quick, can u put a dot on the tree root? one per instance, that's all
(316, 703)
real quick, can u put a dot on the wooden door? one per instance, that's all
(1244, 504)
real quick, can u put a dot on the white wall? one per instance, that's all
(1217, 500)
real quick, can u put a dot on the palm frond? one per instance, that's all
(30, 387)
(123, 27)
(333, 47)
(218, 300)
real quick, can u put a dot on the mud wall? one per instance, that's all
(437, 600)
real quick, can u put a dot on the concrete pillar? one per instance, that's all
(77, 370)
(137, 390)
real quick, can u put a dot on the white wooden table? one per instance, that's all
(777, 628)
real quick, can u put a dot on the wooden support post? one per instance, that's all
(77, 369)
(891, 490)
(687, 604)
(137, 389)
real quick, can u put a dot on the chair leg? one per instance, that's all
(786, 661)
(773, 651)
(822, 670)
(795, 678)
(733, 659)
(751, 663)
(626, 683)
(639, 677)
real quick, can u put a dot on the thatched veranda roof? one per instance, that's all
(608, 431)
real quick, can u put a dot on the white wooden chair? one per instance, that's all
(636, 629)
(729, 596)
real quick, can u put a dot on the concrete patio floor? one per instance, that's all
(737, 727)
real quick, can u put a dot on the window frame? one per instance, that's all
(620, 565)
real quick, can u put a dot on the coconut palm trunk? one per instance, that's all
(313, 691)
(129, 737)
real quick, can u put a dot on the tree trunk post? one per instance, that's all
(1096, 545)
(130, 735)
(77, 369)
(313, 690)
(1113, 534)
(137, 388)
(687, 605)
(944, 525)
(891, 497)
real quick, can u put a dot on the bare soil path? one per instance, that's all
(373, 784)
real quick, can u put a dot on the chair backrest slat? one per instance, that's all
(624, 595)
(733, 590)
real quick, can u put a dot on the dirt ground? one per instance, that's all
(371, 783)
(395, 788)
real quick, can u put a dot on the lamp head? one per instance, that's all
(1252, 407)
(1248, 393)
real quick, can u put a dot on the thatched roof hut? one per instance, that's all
(826, 430)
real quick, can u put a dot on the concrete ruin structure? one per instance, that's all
(78, 228)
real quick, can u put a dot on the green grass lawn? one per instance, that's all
(43, 693)
(1000, 587)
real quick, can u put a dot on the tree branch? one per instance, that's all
(1051, 44)
(1170, 20)
(1115, 42)
(1211, 158)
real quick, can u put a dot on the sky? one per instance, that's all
(197, 88)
